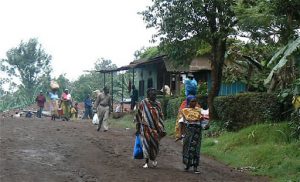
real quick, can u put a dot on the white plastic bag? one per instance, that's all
(95, 119)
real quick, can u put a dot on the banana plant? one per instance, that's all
(284, 71)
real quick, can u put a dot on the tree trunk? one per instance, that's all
(249, 75)
(217, 62)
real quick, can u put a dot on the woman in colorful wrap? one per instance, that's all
(65, 103)
(149, 124)
(53, 104)
(191, 118)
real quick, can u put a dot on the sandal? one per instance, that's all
(196, 171)
(186, 168)
(154, 163)
(145, 165)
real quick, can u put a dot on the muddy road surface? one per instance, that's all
(38, 150)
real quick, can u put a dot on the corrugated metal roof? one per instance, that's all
(200, 63)
(197, 64)
(173, 67)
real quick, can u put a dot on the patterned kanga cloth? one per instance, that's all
(192, 141)
(179, 116)
(150, 118)
(191, 145)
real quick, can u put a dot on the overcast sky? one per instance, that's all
(76, 32)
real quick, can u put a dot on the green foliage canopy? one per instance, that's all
(184, 25)
(30, 63)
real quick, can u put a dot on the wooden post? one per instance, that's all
(133, 76)
(104, 80)
(122, 92)
(112, 92)
(177, 81)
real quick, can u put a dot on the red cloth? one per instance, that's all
(40, 99)
(183, 105)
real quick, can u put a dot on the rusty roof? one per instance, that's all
(197, 64)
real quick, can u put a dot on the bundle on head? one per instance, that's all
(54, 85)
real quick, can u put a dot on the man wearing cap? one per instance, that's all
(190, 85)
(40, 99)
(65, 104)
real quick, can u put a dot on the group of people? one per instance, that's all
(149, 120)
(189, 126)
(59, 106)
(64, 108)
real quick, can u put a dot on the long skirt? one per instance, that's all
(191, 145)
(54, 107)
(150, 141)
(66, 109)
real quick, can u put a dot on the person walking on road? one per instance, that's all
(53, 104)
(102, 105)
(40, 99)
(134, 98)
(88, 106)
(149, 124)
(191, 118)
(65, 104)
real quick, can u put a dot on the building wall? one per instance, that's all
(229, 89)
(145, 74)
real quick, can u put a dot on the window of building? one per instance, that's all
(149, 83)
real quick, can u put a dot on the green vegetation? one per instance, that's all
(127, 122)
(123, 122)
(265, 149)
(263, 106)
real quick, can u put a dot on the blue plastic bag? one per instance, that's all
(138, 148)
(190, 87)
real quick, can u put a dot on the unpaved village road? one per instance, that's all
(33, 150)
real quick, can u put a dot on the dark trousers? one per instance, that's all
(132, 105)
(40, 111)
(88, 113)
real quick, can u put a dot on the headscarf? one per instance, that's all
(188, 99)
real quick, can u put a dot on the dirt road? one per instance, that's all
(42, 150)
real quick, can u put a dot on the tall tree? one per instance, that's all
(94, 80)
(147, 53)
(268, 21)
(30, 63)
(184, 25)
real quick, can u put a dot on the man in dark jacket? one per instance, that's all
(134, 97)
(88, 108)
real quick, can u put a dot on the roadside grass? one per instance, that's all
(127, 122)
(124, 122)
(263, 149)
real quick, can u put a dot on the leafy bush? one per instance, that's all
(285, 97)
(164, 103)
(173, 106)
(295, 125)
(202, 90)
(245, 109)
